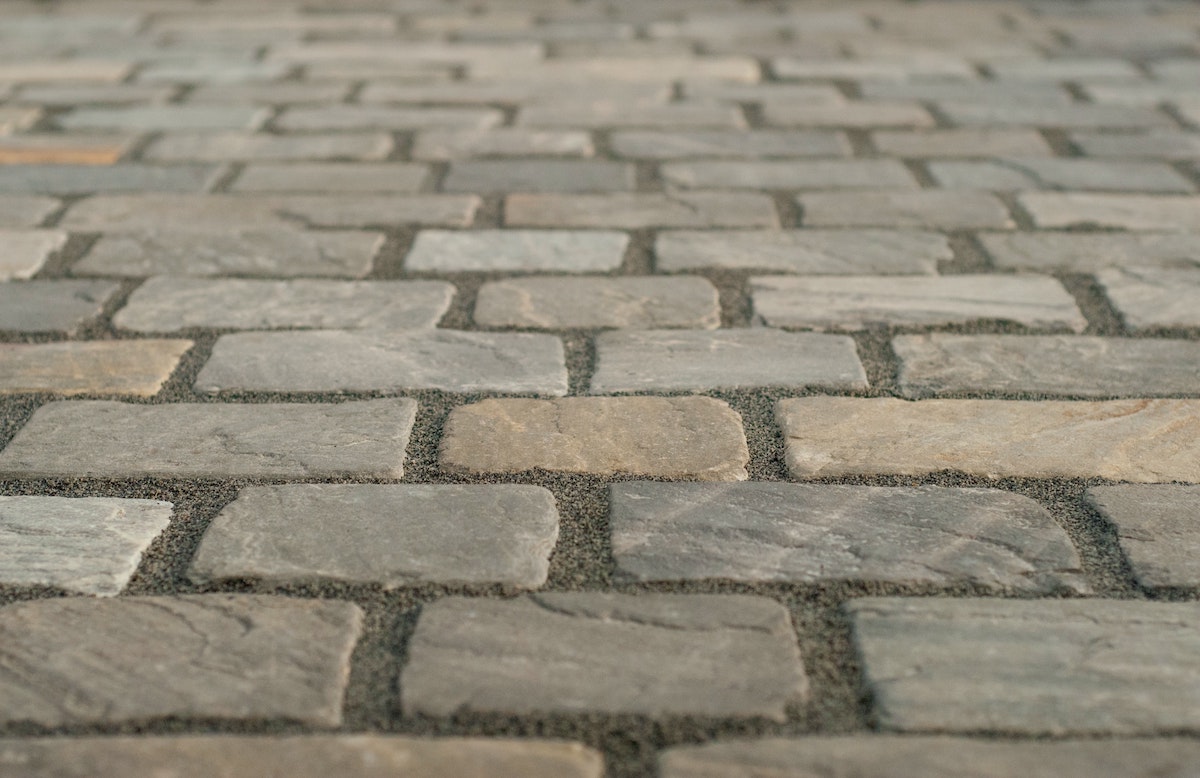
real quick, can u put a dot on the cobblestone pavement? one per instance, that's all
(593, 388)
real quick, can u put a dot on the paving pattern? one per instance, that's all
(600, 388)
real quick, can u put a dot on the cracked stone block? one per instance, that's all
(384, 360)
(1146, 441)
(134, 367)
(1068, 174)
(962, 142)
(52, 306)
(787, 174)
(377, 117)
(541, 175)
(673, 437)
(84, 179)
(807, 252)
(676, 144)
(1150, 297)
(390, 534)
(671, 360)
(1171, 213)
(23, 252)
(501, 142)
(332, 177)
(929, 208)
(103, 439)
(557, 251)
(651, 654)
(1056, 667)
(165, 118)
(1158, 528)
(632, 302)
(240, 146)
(1086, 253)
(225, 656)
(812, 533)
(90, 545)
(637, 210)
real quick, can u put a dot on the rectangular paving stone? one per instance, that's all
(673, 437)
(786, 174)
(854, 70)
(860, 302)
(617, 114)
(1145, 441)
(332, 177)
(1158, 527)
(586, 652)
(136, 367)
(667, 360)
(856, 114)
(558, 251)
(83, 179)
(1048, 666)
(905, 209)
(240, 146)
(1148, 93)
(52, 306)
(627, 70)
(37, 71)
(1073, 69)
(18, 212)
(212, 71)
(808, 252)
(769, 91)
(543, 175)
(1163, 144)
(1069, 174)
(89, 545)
(1150, 297)
(1172, 213)
(228, 656)
(276, 93)
(104, 439)
(390, 534)
(373, 117)
(942, 363)
(1085, 253)
(1073, 115)
(811, 533)
(640, 210)
(23, 252)
(938, 90)
(208, 116)
(631, 302)
(501, 142)
(385, 360)
(68, 149)
(962, 142)
(677, 144)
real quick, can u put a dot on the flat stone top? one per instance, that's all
(52, 306)
(1158, 527)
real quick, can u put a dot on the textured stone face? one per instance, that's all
(654, 654)
(1068, 174)
(643, 302)
(807, 252)
(332, 177)
(218, 655)
(1158, 528)
(728, 143)
(219, 147)
(1149, 297)
(23, 212)
(542, 250)
(779, 174)
(23, 252)
(1171, 213)
(501, 141)
(166, 117)
(640, 210)
(52, 306)
(81, 179)
(1049, 666)
(135, 367)
(963, 142)
(543, 175)
(1084, 253)
(904, 209)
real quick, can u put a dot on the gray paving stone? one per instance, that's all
(136, 367)
(1147, 93)
(501, 142)
(515, 91)
(1085, 253)
(23, 252)
(785, 174)
(383, 360)
(941, 363)
(1066, 666)
(671, 360)
(676, 144)
(904, 208)
(860, 302)
(277, 93)
(373, 117)
(64, 149)
(1149, 297)
(632, 302)
(1103, 69)
(102, 439)
(1158, 528)
(332, 177)
(828, 532)
(90, 545)
(1075, 115)
(640, 210)
(855, 115)
(892, 69)
(628, 70)
(170, 303)
(224, 656)
(52, 306)
(22, 211)
(1172, 213)
(808, 252)
(617, 114)
(654, 654)
(770, 91)
(82, 179)
(992, 92)
(962, 142)
(1070, 174)
(1155, 145)
(390, 534)
(1145, 441)
(208, 116)
(234, 146)
(558, 251)
(39, 71)
(212, 71)
(542, 175)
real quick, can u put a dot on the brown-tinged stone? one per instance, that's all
(135, 367)
(62, 150)
(638, 302)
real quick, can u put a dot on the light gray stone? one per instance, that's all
(277, 93)
(786, 174)
(137, 367)
(619, 114)
(1147, 93)
(48, 70)
(1086, 253)
(382, 360)
(626, 70)
(238, 146)
(1150, 297)
(332, 177)
(541, 175)
(895, 69)
(1073, 69)
(642, 209)
(91, 149)
(962, 142)
(103, 439)
(1068, 174)
(212, 71)
(859, 302)
(217, 655)
(653, 654)
(1071, 115)
(808, 252)
(23, 252)
(632, 302)
(513, 91)
(677, 144)
(769, 91)
(671, 360)
(90, 545)
(52, 306)
(1158, 528)
(82, 179)
(375, 117)
(938, 90)
(1047, 666)
(206, 116)
(557, 251)
(1163, 144)
(19, 212)
(857, 115)
(929, 208)
(1146, 441)
(501, 142)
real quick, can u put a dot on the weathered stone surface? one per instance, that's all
(68, 149)
(962, 142)
(367, 360)
(1048, 666)
(136, 367)
(556, 251)
(206, 116)
(1106, 69)
(672, 360)
(212, 71)
(105, 439)
(1172, 213)
(672, 437)
(619, 114)
(541, 175)
(1158, 528)
(787, 174)
(217, 655)
(90, 545)
(303, 756)
(653, 654)
(929, 208)
(858, 302)
(1063, 174)
(165, 304)
(332, 177)
(501, 141)
(630, 70)
(1162, 144)
(256, 252)
(46, 70)
(1086, 253)
(892, 68)
(808, 252)
(375, 117)
(65, 179)
(68, 94)
(1127, 440)
(992, 92)
(940, 363)
(1081, 115)
(1149, 297)
(278, 93)
(634, 302)
(52, 306)
(639, 210)
(676, 144)
(23, 252)
(876, 113)
(807, 532)
(230, 146)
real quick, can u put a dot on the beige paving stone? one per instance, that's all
(133, 367)
(1086, 253)
(332, 177)
(631, 302)
(627, 70)
(1158, 527)
(62, 150)
(375, 117)
(786, 174)
(277, 93)
(1071, 115)
(640, 210)
(23, 252)
(538, 175)
(904, 209)
(557, 251)
(1061, 174)
(35, 71)
(501, 142)
(673, 437)
(807, 252)
(1161, 144)
(223, 656)
(681, 144)
(616, 114)
(769, 91)
(962, 142)
(1146, 441)
(1150, 297)
(235, 146)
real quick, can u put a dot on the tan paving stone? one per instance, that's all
(641, 302)
(133, 367)
(61, 150)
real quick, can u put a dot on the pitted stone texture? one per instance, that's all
(1127, 440)
(166, 117)
(216, 655)
(640, 210)
(541, 175)
(384, 360)
(90, 545)
(673, 437)
(807, 252)
(135, 367)
(904, 209)
(1158, 527)
(332, 177)
(84, 179)
(377, 117)
(1062, 174)
(1171, 213)
(858, 302)
(939, 363)
(268, 252)
(1085, 253)
(787, 174)
(1047, 666)
(677, 144)
(104, 439)
(630, 302)
(811, 533)
(501, 141)
(671, 360)
(963, 142)
(23, 252)
(1150, 297)
(52, 306)
(394, 535)
(299, 756)
(234, 146)
(653, 654)
(558, 251)
(165, 304)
